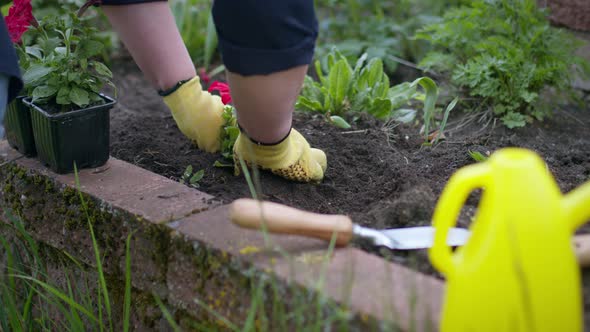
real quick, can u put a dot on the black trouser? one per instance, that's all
(259, 37)
(8, 63)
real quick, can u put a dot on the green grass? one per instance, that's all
(31, 301)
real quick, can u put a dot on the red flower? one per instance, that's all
(223, 91)
(203, 75)
(20, 16)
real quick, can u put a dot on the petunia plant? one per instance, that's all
(19, 19)
(59, 66)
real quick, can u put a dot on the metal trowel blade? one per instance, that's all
(423, 237)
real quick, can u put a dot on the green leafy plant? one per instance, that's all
(503, 53)
(59, 69)
(190, 178)
(343, 90)
(477, 156)
(30, 300)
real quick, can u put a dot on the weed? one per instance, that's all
(190, 178)
(477, 156)
(29, 301)
(343, 90)
(503, 53)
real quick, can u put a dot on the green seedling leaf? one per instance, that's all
(320, 72)
(63, 96)
(381, 108)
(36, 72)
(187, 173)
(514, 120)
(431, 92)
(339, 78)
(359, 64)
(79, 97)
(306, 104)
(88, 48)
(34, 51)
(43, 91)
(101, 69)
(443, 123)
(477, 156)
(222, 164)
(339, 122)
(197, 177)
(374, 72)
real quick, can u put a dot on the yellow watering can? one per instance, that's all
(518, 271)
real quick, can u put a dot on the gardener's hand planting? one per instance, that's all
(197, 114)
(292, 158)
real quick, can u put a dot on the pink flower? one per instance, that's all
(20, 17)
(223, 91)
(203, 75)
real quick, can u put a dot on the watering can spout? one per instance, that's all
(576, 205)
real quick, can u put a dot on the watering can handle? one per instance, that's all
(577, 205)
(461, 184)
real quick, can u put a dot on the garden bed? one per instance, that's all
(381, 177)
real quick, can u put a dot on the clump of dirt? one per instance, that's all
(413, 207)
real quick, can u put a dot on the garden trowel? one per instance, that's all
(282, 219)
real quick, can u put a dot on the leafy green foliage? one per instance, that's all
(342, 90)
(59, 65)
(477, 156)
(504, 53)
(230, 132)
(190, 178)
(31, 300)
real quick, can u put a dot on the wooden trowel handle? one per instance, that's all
(582, 249)
(282, 219)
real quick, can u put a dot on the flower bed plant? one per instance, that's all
(17, 120)
(63, 82)
(505, 55)
(342, 91)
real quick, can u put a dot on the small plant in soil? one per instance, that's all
(477, 156)
(504, 54)
(59, 70)
(343, 91)
(190, 178)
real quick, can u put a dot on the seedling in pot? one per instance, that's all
(61, 73)
(190, 178)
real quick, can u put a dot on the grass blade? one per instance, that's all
(127, 300)
(102, 283)
(167, 315)
(60, 295)
(443, 124)
(217, 315)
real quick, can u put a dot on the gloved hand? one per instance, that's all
(292, 159)
(197, 114)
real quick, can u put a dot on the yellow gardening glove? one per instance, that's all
(197, 114)
(292, 159)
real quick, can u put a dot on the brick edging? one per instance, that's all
(184, 245)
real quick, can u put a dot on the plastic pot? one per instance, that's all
(18, 127)
(80, 137)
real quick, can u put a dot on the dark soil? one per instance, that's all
(381, 177)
